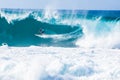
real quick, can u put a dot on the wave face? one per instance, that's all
(62, 28)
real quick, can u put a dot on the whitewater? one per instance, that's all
(75, 45)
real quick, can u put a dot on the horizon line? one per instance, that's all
(61, 9)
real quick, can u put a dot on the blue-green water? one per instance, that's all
(62, 28)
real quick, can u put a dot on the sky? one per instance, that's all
(62, 4)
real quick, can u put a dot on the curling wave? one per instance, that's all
(65, 28)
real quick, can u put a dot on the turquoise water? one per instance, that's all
(62, 28)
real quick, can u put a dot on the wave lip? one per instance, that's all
(23, 33)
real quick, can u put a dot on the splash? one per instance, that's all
(100, 34)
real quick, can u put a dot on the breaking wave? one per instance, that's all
(62, 28)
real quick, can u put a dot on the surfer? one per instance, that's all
(41, 31)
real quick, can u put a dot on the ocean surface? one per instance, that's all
(59, 44)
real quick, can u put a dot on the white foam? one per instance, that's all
(54, 63)
(10, 17)
(55, 37)
(95, 37)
